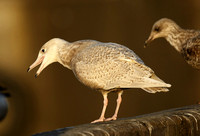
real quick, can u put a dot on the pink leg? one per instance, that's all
(105, 103)
(119, 100)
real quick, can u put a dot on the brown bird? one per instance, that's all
(105, 67)
(186, 42)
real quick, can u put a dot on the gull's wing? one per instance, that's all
(107, 66)
(191, 52)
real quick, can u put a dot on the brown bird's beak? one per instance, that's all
(150, 39)
(36, 63)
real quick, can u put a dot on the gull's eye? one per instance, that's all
(157, 29)
(43, 50)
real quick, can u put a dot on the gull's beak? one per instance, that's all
(150, 39)
(39, 60)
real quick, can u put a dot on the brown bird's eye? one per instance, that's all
(43, 50)
(157, 29)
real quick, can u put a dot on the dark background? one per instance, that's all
(56, 98)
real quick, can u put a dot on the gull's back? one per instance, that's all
(109, 65)
(191, 52)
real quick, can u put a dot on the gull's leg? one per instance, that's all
(105, 103)
(119, 100)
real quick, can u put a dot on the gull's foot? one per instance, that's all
(112, 118)
(98, 120)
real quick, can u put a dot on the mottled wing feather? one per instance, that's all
(191, 52)
(107, 66)
(126, 51)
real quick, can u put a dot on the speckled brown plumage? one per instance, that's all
(101, 66)
(191, 52)
(186, 42)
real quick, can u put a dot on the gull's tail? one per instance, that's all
(156, 89)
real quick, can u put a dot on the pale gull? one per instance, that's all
(105, 67)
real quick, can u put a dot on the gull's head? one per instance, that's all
(48, 54)
(162, 28)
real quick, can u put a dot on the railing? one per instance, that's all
(184, 121)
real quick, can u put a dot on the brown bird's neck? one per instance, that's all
(178, 37)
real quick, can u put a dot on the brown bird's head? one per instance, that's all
(47, 54)
(162, 28)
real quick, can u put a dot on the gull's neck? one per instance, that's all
(68, 51)
(178, 37)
